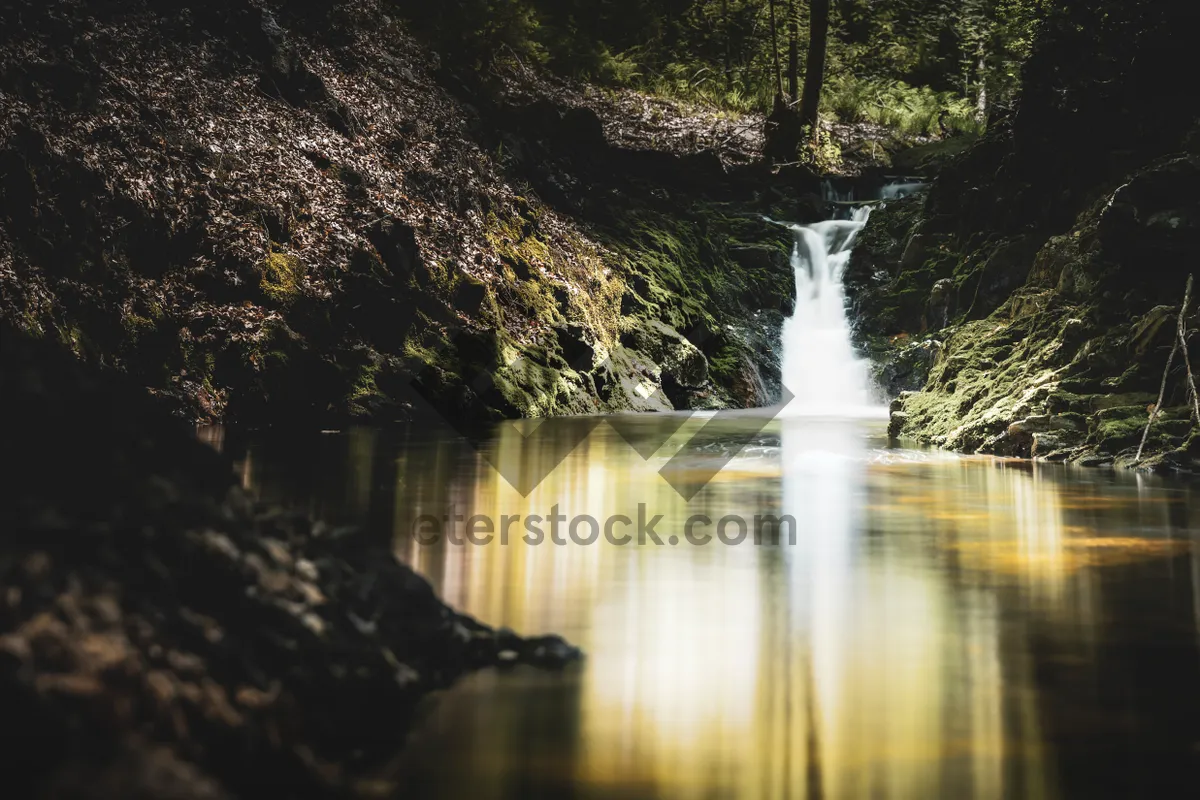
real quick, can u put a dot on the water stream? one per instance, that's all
(939, 627)
(864, 621)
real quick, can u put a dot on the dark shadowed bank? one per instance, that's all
(1027, 305)
(164, 635)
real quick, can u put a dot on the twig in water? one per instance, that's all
(1183, 345)
(1162, 389)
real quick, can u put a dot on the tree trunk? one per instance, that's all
(793, 54)
(728, 64)
(981, 103)
(775, 56)
(814, 75)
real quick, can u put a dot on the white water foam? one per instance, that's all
(820, 366)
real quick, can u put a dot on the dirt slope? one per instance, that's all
(265, 212)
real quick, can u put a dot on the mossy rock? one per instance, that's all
(282, 276)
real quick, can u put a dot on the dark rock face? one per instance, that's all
(760, 257)
(683, 367)
(902, 368)
(162, 634)
(884, 299)
(1048, 260)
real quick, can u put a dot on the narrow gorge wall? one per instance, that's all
(1031, 294)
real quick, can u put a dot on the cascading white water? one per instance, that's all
(820, 366)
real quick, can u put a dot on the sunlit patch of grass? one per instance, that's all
(910, 110)
(706, 87)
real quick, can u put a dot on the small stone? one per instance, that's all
(1094, 460)
(256, 699)
(217, 704)
(1044, 444)
(307, 570)
(313, 623)
(106, 610)
(312, 595)
(161, 685)
(100, 652)
(278, 551)
(1029, 426)
(220, 543)
(69, 684)
(187, 665)
(552, 651)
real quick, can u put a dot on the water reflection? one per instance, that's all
(940, 627)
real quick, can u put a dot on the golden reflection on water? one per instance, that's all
(890, 651)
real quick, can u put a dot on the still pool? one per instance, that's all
(872, 621)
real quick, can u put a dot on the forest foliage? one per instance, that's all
(919, 66)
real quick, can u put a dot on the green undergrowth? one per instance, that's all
(908, 110)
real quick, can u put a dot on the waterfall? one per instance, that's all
(820, 366)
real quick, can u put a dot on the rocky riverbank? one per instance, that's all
(1027, 305)
(296, 213)
(162, 634)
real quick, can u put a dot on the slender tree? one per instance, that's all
(775, 56)
(981, 101)
(793, 54)
(726, 61)
(814, 75)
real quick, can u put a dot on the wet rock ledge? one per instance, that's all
(162, 634)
